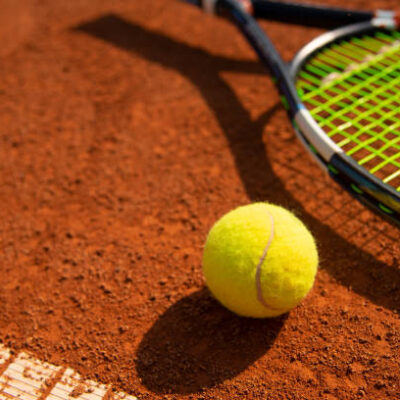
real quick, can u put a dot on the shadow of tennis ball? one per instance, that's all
(197, 344)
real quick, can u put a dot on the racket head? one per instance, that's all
(348, 84)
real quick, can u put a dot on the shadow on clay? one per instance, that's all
(198, 344)
(345, 262)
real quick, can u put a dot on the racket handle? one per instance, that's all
(307, 14)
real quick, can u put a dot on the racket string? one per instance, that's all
(350, 88)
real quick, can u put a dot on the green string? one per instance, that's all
(352, 90)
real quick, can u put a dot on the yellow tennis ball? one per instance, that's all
(260, 260)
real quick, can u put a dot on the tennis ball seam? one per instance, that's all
(260, 296)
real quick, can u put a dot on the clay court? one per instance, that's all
(127, 128)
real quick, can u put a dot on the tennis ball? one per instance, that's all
(260, 260)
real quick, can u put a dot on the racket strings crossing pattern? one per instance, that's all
(351, 89)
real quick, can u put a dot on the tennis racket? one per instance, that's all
(341, 91)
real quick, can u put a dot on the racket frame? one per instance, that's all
(367, 188)
(364, 186)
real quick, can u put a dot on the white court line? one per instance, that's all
(27, 378)
(5, 354)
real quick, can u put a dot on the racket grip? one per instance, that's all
(308, 15)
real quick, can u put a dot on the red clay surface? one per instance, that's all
(126, 129)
